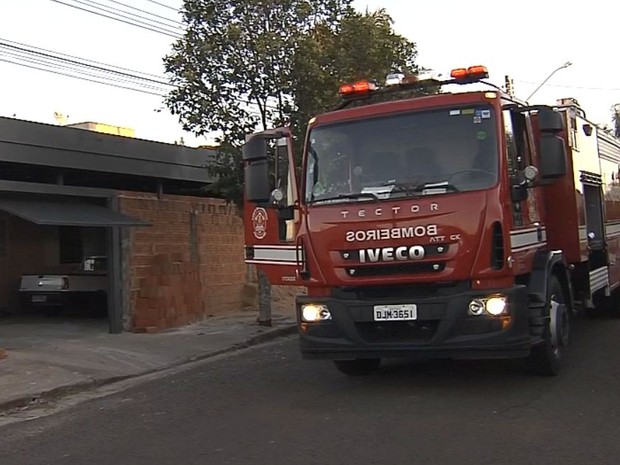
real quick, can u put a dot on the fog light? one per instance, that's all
(315, 312)
(476, 307)
(495, 305)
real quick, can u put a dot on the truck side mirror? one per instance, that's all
(255, 148)
(256, 181)
(256, 171)
(550, 121)
(552, 157)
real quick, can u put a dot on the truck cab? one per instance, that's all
(420, 226)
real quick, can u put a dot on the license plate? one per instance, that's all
(39, 298)
(402, 312)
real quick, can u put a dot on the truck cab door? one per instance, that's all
(528, 232)
(271, 215)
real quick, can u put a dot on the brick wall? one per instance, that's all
(188, 264)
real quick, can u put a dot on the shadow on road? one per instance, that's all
(594, 340)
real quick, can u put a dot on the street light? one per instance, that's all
(565, 65)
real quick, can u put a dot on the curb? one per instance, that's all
(41, 398)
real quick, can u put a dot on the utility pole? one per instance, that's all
(509, 84)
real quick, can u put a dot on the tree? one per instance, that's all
(246, 65)
(363, 46)
(232, 72)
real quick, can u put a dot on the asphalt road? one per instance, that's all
(266, 406)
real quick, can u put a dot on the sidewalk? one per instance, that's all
(48, 359)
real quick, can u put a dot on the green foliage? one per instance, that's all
(245, 65)
(362, 46)
(227, 171)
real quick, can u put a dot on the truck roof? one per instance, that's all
(407, 104)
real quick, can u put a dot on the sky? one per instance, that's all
(527, 40)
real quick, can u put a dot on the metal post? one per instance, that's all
(565, 65)
(509, 85)
(115, 277)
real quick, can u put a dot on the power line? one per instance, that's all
(137, 19)
(81, 77)
(42, 65)
(174, 21)
(162, 4)
(132, 16)
(82, 64)
(85, 60)
(247, 102)
(71, 63)
(83, 72)
(135, 23)
(98, 74)
(573, 87)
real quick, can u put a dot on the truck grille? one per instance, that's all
(421, 332)
(402, 291)
(392, 269)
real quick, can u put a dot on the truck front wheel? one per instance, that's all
(546, 358)
(358, 367)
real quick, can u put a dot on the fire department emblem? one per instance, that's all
(259, 222)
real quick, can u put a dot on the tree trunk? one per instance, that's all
(264, 299)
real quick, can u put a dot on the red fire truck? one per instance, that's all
(458, 225)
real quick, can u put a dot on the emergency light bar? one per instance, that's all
(471, 74)
(359, 87)
(400, 81)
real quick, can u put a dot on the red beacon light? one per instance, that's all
(473, 73)
(359, 87)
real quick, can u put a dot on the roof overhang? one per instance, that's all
(67, 213)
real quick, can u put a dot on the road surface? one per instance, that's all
(266, 406)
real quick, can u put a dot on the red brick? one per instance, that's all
(142, 321)
(161, 264)
(148, 291)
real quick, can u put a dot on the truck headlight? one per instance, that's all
(492, 305)
(495, 305)
(315, 312)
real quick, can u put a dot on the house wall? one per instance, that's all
(188, 265)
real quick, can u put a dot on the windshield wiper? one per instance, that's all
(425, 188)
(359, 195)
(441, 185)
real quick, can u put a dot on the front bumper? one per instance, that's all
(443, 329)
(58, 298)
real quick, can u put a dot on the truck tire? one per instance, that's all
(547, 357)
(358, 367)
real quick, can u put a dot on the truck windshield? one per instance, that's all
(409, 154)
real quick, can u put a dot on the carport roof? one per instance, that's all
(66, 213)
